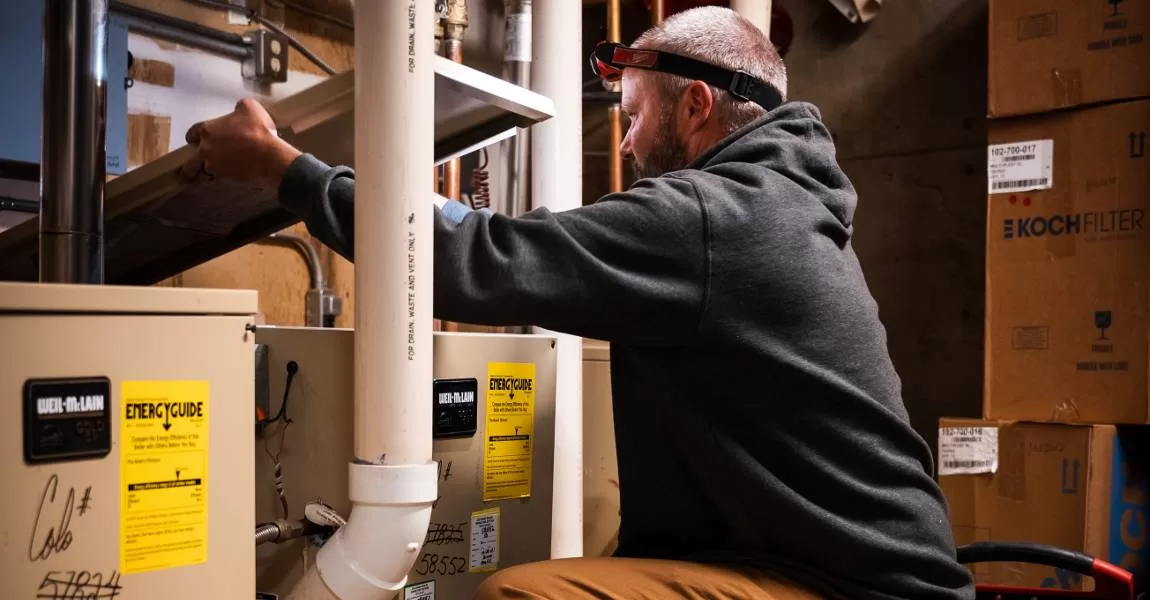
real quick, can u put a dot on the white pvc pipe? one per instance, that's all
(392, 480)
(755, 11)
(557, 183)
(394, 148)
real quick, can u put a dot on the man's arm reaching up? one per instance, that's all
(630, 268)
(633, 267)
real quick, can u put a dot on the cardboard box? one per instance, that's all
(1067, 286)
(1078, 487)
(1050, 54)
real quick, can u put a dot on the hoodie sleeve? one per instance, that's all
(631, 268)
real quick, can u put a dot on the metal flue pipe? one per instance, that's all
(557, 184)
(517, 49)
(392, 478)
(72, 156)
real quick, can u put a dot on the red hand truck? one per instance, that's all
(1110, 582)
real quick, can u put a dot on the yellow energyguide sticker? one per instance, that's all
(163, 475)
(509, 433)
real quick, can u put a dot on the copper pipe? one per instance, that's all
(451, 170)
(656, 13)
(614, 113)
(613, 17)
(616, 116)
(454, 23)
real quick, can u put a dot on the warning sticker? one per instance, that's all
(420, 591)
(967, 450)
(1020, 167)
(163, 475)
(509, 432)
(485, 540)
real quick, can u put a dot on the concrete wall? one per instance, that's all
(905, 98)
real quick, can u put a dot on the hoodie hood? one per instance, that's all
(792, 142)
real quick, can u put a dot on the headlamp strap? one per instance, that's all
(740, 84)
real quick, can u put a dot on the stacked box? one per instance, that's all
(1060, 458)
(1053, 54)
(1068, 266)
(1078, 487)
(1067, 283)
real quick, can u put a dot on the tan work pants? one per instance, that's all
(635, 579)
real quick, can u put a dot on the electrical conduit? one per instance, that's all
(393, 481)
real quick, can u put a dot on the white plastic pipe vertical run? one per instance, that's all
(755, 11)
(393, 480)
(557, 184)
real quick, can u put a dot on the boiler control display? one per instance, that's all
(455, 407)
(67, 419)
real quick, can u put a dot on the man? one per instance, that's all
(763, 447)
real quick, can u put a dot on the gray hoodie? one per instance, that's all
(758, 416)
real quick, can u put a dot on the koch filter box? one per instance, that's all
(1068, 267)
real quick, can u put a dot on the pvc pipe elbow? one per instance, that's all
(369, 558)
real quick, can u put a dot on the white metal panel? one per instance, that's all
(318, 446)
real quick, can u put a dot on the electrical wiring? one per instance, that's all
(481, 183)
(311, 12)
(281, 488)
(281, 415)
(295, 44)
(254, 17)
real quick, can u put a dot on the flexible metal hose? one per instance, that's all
(281, 530)
(268, 532)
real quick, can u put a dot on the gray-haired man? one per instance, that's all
(763, 447)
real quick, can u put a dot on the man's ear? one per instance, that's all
(698, 103)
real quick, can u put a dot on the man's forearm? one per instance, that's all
(629, 268)
(324, 198)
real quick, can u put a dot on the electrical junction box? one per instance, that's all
(21, 61)
(495, 486)
(129, 455)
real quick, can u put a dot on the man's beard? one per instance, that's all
(668, 153)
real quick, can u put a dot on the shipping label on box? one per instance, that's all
(969, 450)
(1068, 267)
(1020, 166)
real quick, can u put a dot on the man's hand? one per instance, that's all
(242, 146)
